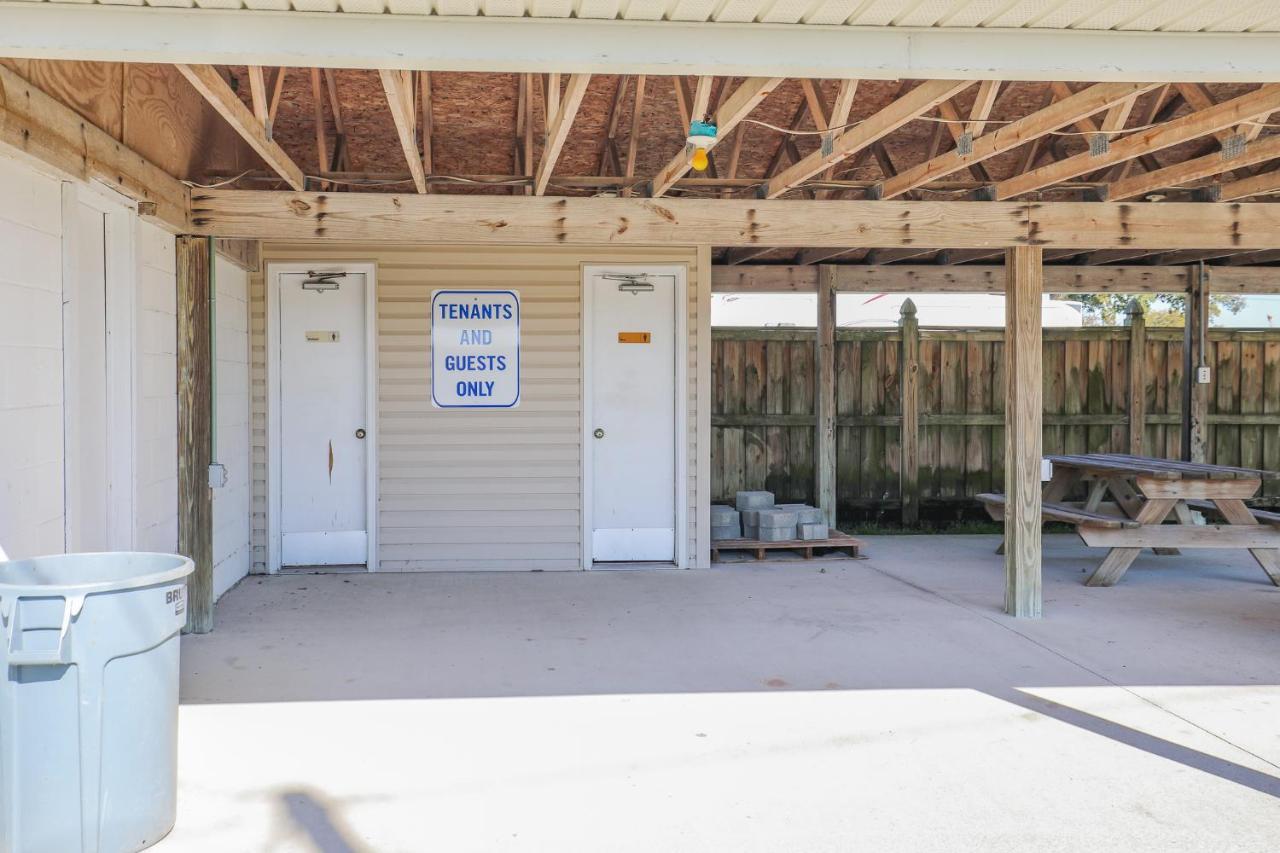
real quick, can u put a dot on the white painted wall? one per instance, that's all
(231, 547)
(31, 457)
(156, 524)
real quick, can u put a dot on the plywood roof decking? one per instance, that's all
(475, 120)
(1224, 16)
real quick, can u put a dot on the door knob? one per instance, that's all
(599, 433)
(360, 433)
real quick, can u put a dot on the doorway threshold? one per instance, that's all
(324, 570)
(633, 567)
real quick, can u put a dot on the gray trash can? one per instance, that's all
(89, 701)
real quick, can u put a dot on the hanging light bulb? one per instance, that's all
(702, 135)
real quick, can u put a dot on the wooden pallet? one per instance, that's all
(837, 541)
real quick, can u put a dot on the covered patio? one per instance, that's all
(798, 705)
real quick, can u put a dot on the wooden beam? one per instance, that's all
(731, 222)
(912, 105)
(824, 448)
(1053, 117)
(206, 80)
(931, 278)
(1267, 183)
(1178, 174)
(246, 254)
(39, 127)
(734, 109)
(258, 94)
(398, 86)
(558, 128)
(633, 140)
(1137, 322)
(701, 100)
(195, 428)
(909, 443)
(1023, 408)
(427, 128)
(322, 146)
(1195, 354)
(277, 90)
(1201, 123)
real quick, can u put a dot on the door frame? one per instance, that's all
(120, 291)
(271, 282)
(680, 427)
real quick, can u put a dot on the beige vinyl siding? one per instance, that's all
(478, 490)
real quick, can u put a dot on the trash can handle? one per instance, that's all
(71, 607)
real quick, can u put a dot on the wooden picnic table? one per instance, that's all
(1131, 497)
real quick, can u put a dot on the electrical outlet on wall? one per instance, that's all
(1203, 375)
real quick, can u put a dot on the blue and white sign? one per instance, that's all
(475, 349)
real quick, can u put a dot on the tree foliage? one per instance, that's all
(1162, 309)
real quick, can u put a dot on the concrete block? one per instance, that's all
(753, 500)
(811, 532)
(777, 534)
(721, 514)
(805, 514)
(775, 518)
(750, 531)
(728, 531)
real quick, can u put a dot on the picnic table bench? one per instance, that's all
(1143, 493)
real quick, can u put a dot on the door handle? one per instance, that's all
(360, 433)
(599, 433)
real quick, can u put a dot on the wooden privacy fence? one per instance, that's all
(949, 446)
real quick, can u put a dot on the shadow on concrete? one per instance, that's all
(1196, 760)
(310, 816)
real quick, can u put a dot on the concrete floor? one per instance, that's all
(879, 704)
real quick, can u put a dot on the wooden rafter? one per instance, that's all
(209, 83)
(1207, 166)
(322, 146)
(734, 109)
(633, 139)
(558, 128)
(1201, 123)
(428, 125)
(398, 86)
(1267, 183)
(1057, 115)
(529, 88)
(915, 103)
(609, 148)
(258, 93)
(277, 91)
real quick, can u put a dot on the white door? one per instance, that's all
(85, 333)
(323, 434)
(632, 417)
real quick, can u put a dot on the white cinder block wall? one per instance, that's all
(231, 551)
(31, 460)
(32, 500)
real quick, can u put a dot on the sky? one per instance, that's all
(1258, 312)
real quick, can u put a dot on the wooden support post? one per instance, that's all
(1137, 377)
(1023, 415)
(195, 428)
(1195, 354)
(909, 469)
(825, 395)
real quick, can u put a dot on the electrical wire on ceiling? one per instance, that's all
(937, 120)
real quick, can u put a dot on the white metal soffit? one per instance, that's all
(1072, 40)
(1219, 16)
